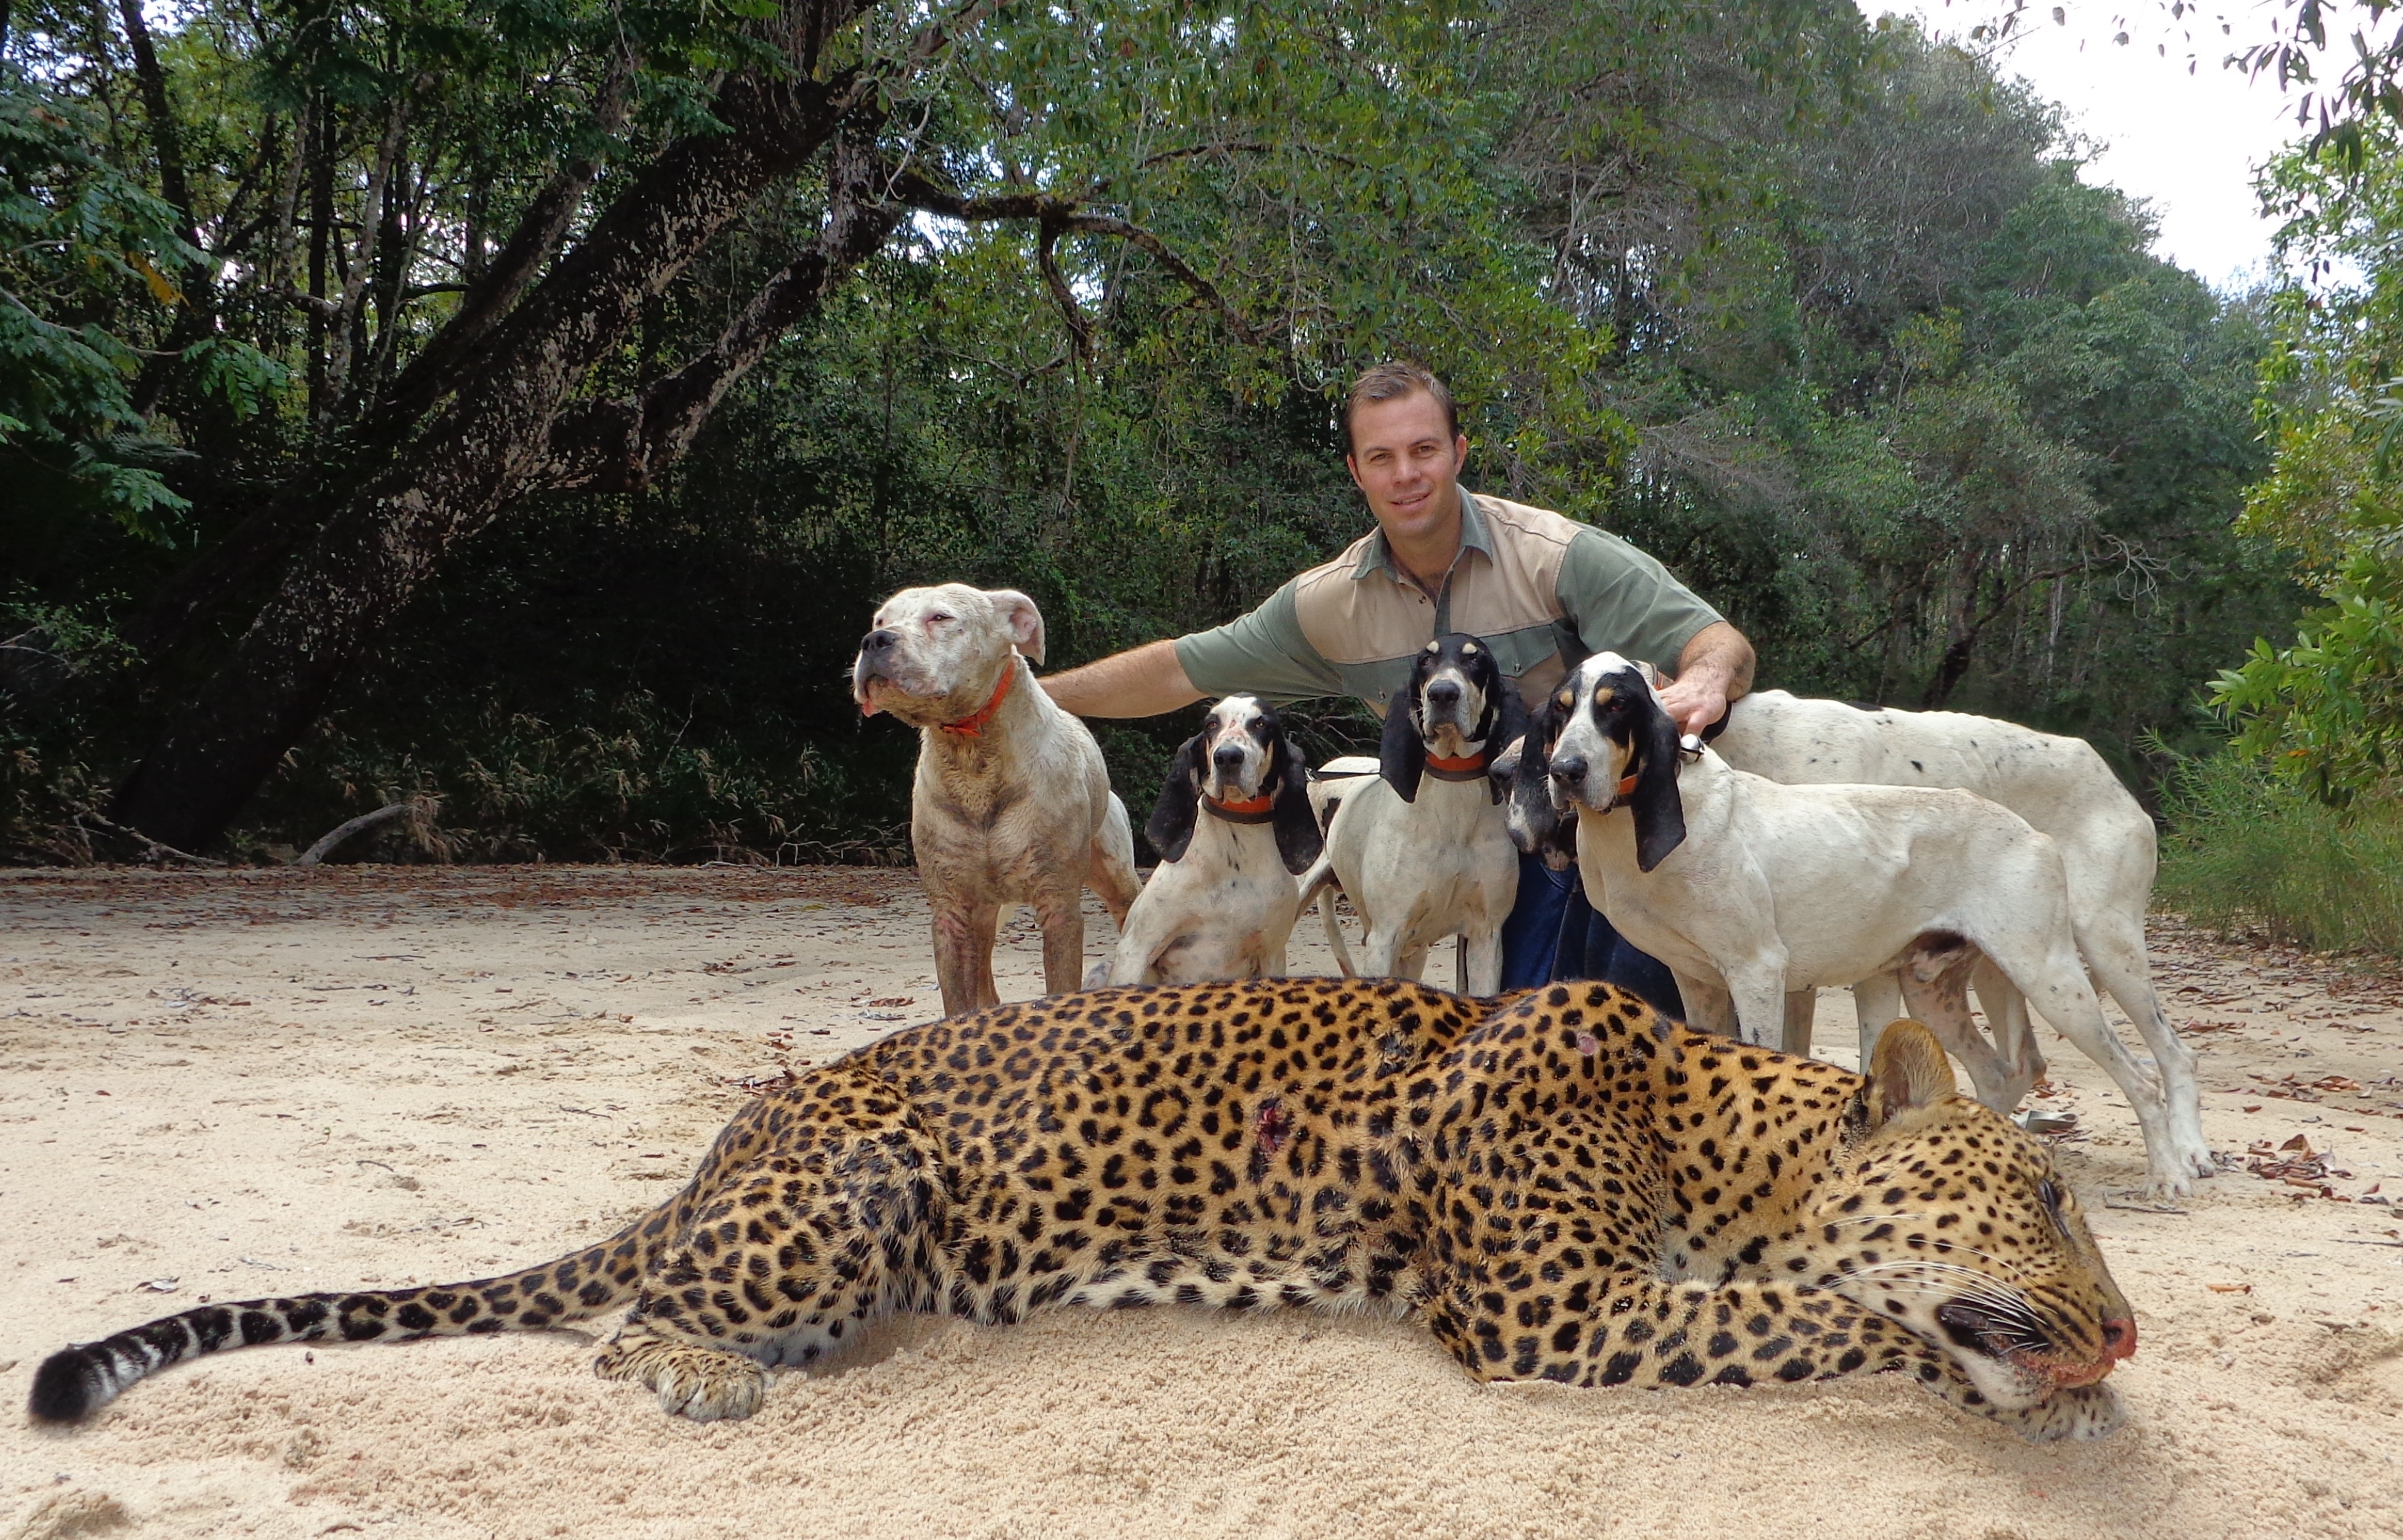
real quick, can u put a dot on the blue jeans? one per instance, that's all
(1554, 933)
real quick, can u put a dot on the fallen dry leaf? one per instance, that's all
(2229, 1288)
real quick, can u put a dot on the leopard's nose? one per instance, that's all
(2119, 1339)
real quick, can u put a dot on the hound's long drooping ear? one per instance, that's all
(1907, 1070)
(1298, 840)
(1401, 756)
(1660, 815)
(1507, 719)
(1537, 826)
(1024, 620)
(1170, 829)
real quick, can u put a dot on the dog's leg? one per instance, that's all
(1147, 928)
(1801, 1008)
(1381, 949)
(1942, 1004)
(1875, 1001)
(964, 933)
(2007, 1024)
(2055, 984)
(1757, 985)
(2115, 952)
(1111, 872)
(1061, 915)
(1708, 1006)
(1481, 965)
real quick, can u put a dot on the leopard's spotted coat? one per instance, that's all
(1564, 1186)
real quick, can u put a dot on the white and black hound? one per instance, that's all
(1233, 826)
(2060, 787)
(1423, 849)
(1749, 889)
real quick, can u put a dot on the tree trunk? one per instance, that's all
(165, 141)
(487, 445)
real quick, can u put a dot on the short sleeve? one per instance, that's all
(1620, 600)
(1263, 653)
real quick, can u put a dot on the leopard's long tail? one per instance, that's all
(77, 1381)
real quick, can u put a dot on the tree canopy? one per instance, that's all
(528, 403)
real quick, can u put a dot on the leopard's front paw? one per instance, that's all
(2083, 1412)
(707, 1384)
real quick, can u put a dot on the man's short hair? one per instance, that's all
(1390, 381)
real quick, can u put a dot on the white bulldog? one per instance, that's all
(1012, 804)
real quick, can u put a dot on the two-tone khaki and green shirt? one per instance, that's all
(1542, 591)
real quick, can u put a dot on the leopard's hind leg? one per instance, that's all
(797, 1248)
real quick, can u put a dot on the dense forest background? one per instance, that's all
(1058, 297)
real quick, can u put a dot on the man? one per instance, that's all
(1542, 591)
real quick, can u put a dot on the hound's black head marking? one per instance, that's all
(1457, 698)
(1639, 770)
(1242, 768)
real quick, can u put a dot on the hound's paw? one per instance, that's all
(707, 1384)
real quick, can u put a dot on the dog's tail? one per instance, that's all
(77, 1381)
(1335, 934)
(1319, 882)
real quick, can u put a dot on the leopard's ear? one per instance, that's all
(1907, 1070)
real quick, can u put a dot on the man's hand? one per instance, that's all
(1715, 668)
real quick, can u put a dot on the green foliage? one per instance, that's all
(2248, 850)
(2328, 712)
(75, 232)
(1820, 313)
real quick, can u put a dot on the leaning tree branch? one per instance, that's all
(341, 834)
(387, 527)
(913, 187)
(152, 849)
(930, 42)
(1144, 239)
(1046, 260)
(270, 532)
(439, 364)
(623, 445)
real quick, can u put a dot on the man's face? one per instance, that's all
(1407, 462)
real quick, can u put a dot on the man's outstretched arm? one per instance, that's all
(1141, 681)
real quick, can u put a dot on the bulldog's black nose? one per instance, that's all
(1569, 769)
(879, 640)
(1229, 758)
(1444, 693)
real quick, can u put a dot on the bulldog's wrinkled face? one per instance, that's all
(1238, 749)
(937, 652)
(1457, 678)
(1609, 708)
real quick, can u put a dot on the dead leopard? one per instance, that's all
(1562, 1184)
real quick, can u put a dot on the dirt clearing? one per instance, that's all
(225, 1085)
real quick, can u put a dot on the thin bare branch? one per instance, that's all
(914, 190)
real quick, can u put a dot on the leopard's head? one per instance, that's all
(1947, 1217)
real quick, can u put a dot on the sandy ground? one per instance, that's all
(219, 1086)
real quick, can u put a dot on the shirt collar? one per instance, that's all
(1379, 557)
